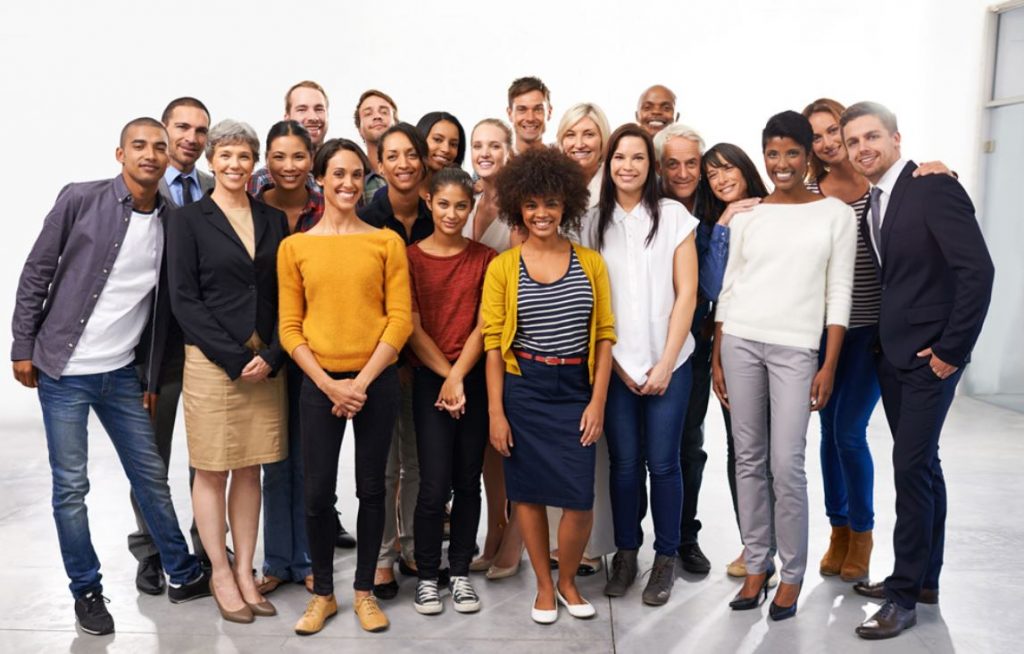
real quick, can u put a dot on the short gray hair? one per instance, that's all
(232, 132)
(676, 130)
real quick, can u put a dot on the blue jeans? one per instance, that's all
(846, 467)
(116, 397)
(647, 427)
(285, 544)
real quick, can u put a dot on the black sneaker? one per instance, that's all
(623, 573)
(663, 576)
(693, 559)
(428, 599)
(149, 577)
(464, 597)
(199, 587)
(92, 616)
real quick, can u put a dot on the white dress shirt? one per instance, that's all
(122, 310)
(886, 184)
(641, 278)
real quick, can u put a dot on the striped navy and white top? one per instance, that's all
(554, 319)
(867, 290)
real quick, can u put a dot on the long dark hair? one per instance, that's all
(706, 205)
(429, 120)
(651, 193)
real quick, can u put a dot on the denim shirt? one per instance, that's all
(712, 255)
(66, 271)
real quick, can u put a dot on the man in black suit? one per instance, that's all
(936, 277)
(187, 121)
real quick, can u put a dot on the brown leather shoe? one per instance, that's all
(268, 584)
(263, 609)
(318, 610)
(835, 555)
(371, 618)
(877, 591)
(243, 615)
(309, 583)
(888, 622)
(858, 557)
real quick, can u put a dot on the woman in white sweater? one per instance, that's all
(790, 270)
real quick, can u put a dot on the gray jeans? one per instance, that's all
(402, 479)
(759, 376)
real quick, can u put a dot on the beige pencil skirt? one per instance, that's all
(232, 424)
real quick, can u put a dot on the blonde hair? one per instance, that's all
(500, 124)
(578, 112)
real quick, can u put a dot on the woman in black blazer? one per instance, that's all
(222, 254)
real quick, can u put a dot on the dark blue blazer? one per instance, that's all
(936, 272)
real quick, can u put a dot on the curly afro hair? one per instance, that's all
(542, 172)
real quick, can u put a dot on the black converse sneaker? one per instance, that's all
(464, 598)
(428, 600)
(92, 615)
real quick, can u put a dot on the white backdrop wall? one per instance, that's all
(72, 73)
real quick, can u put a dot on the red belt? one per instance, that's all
(551, 361)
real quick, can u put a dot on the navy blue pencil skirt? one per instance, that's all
(548, 464)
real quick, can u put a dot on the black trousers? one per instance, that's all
(451, 456)
(322, 433)
(692, 456)
(916, 403)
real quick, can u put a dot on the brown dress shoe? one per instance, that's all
(877, 591)
(888, 622)
(858, 557)
(268, 584)
(318, 610)
(838, 546)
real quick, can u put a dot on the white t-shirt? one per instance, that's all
(497, 234)
(641, 278)
(790, 272)
(113, 330)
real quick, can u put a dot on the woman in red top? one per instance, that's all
(446, 271)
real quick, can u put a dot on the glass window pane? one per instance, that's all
(1009, 80)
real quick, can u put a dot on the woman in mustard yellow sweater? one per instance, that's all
(345, 313)
(548, 331)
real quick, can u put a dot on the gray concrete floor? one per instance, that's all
(980, 612)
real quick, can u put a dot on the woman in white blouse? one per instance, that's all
(649, 248)
(790, 271)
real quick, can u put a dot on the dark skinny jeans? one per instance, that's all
(321, 445)
(451, 456)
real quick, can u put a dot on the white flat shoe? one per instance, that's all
(583, 611)
(543, 616)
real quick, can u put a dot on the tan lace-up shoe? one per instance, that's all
(318, 610)
(371, 618)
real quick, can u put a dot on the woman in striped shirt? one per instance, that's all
(846, 466)
(548, 330)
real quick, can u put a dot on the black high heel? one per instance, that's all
(776, 612)
(739, 603)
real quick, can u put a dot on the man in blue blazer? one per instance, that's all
(936, 277)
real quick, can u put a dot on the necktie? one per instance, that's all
(186, 189)
(876, 219)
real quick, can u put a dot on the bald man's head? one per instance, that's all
(656, 108)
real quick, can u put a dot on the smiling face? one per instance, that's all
(785, 161)
(680, 167)
(450, 206)
(343, 181)
(289, 162)
(542, 215)
(726, 181)
(400, 163)
(582, 142)
(309, 109)
(828, 140)
(376, 115)
(231, 165)
(630, 165)
(489, 150)
(529, 114)
(187, 128)
(442, 145)
(872, 148)
(656, 109)
(143, 155)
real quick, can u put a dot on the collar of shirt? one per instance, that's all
(380, 214)
(124, 196)
(171, 176)
(888, 179)
(311, 213)
(639, 212)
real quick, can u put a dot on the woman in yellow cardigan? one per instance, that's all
(548, 332)
(345, 313)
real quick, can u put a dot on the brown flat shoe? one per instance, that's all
(268, 584)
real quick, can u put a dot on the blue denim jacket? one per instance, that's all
(65, 274)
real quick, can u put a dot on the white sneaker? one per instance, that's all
(464, 597)
(428, 600)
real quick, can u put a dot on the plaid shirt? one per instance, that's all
(310, 214)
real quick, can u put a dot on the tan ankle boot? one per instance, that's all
(858, 557)
(832, 562)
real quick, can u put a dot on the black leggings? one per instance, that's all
(451, 455)
(321, 444)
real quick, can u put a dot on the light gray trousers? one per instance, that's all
(402, 478)
(758, 376)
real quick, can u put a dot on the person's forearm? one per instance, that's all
(471, 353)
(833, 346)
(679, 324)
(304, 357)
(716, 346)
(495, 370)
(602, 371)
(381, 358)
(427, 351)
